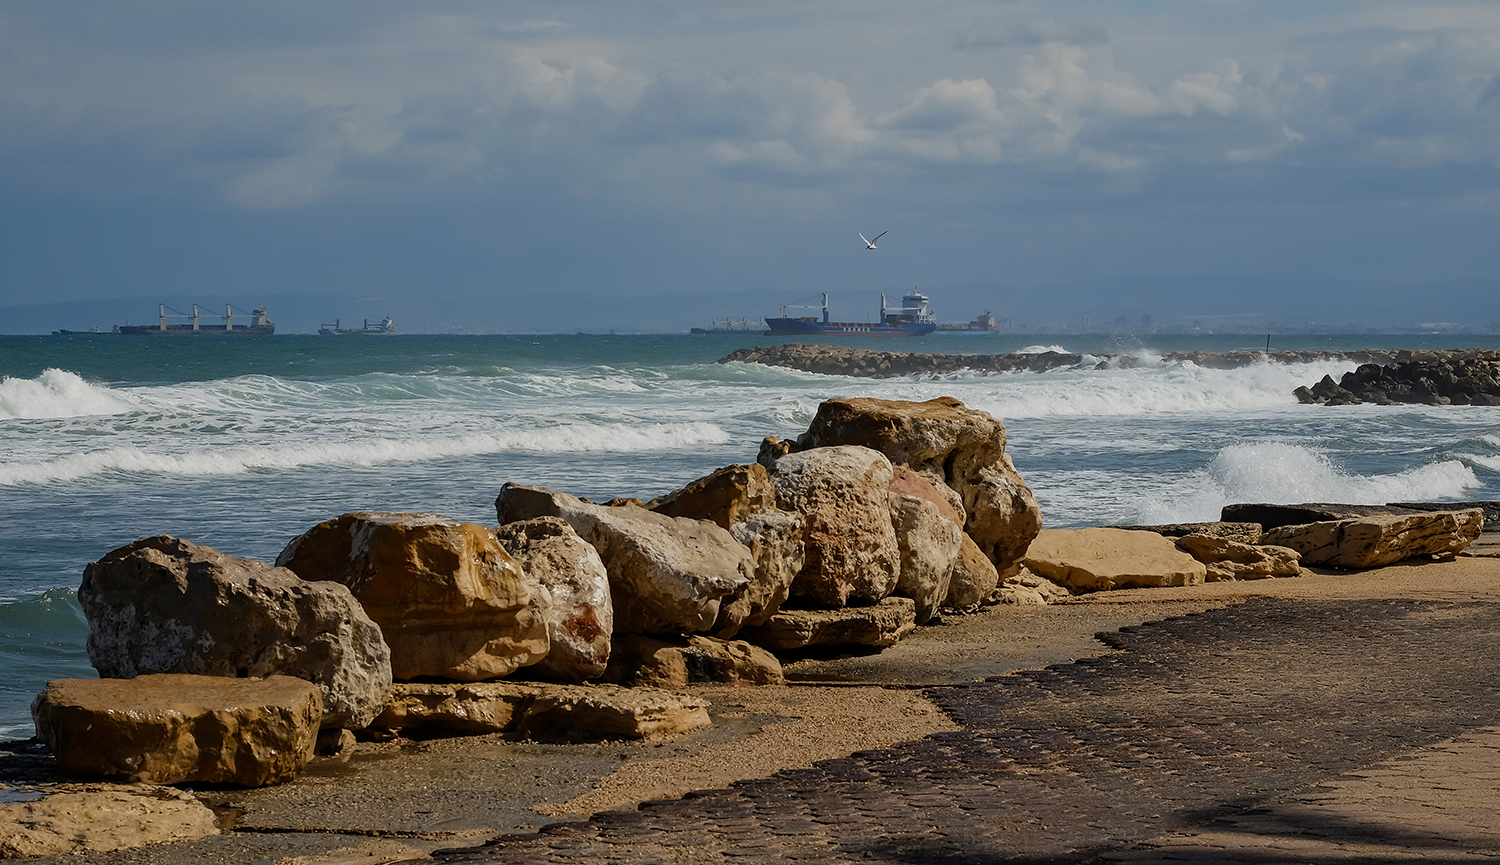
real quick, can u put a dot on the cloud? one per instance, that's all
(535, 118)
(947, 105)
(983, 35)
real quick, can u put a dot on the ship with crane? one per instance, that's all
(260, 323)
(912, 318)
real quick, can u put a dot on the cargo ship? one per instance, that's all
(731, 325)
(260, 324)
(982, 323)
(911, 318)
(385, 327)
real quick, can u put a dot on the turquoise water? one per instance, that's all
(241, 444)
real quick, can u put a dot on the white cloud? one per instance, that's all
(947, 105)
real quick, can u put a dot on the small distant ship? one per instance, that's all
(386, 326)
(982, 323)
(260, 324)
(730, 325)
(911, 318)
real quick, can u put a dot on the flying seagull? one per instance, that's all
(870, 244)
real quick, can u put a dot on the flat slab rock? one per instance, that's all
(537, 709)
(1380, 539)
(1099, 559)
(1245, 533)
(80, 818)
(173, 728)
(884, 624)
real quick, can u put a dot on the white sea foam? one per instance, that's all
(57, 393)
(566, 438)
(1489, 462)
(1178, 387)
(1285, 473)
(1043, 349)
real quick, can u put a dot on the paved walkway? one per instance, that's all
(1273, 731)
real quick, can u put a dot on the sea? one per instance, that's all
(241, 444)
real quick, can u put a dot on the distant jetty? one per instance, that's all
(870, 363)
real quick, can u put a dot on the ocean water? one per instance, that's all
(241, 444)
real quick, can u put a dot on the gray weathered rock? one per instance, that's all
(667, 574)
(884, 624)
(451, 602)
(101, 818)
(843, 495)
(1380, 539)
(580, 617)
(644, 661)
(1231, 560)
(526, 709)
(1096, 559)
(774, 538)
(948, 443)
(164, 605)
(172, 728)
(929, 543)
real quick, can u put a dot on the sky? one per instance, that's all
(504, 149)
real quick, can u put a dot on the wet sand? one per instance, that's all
(396, 800)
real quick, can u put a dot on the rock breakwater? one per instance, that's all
(869, 363)
(1429, 378)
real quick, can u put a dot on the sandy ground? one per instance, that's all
(396, 800)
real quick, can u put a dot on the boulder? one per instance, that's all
(730, 495)
(164, 605)
(527, 709)
(644, 661)
(1098, 559)
(929, 543)
(974, 576)
(1243, 532)
(843, 495)
(1269, 516)
(666, 574)
(173, 728)
(98, 818)
(774, 538)
(579, 615)
(451, 602)
(1025, 589)
(1380, 539)
(881, 625)
(1232, 560)
(949, 444)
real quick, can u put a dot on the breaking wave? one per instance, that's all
(573, 438)
(1284, 473)
(57, 393)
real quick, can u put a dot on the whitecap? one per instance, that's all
(1285, 473)
(563, 438)
(57, 393)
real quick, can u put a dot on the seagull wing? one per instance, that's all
(862, 237)
(881, 234)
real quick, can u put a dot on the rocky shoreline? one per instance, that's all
(1453, 378)
(871, 363)
(576, 620)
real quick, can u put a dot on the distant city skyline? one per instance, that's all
(526, 150)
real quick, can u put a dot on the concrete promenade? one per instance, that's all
(1276, 730)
